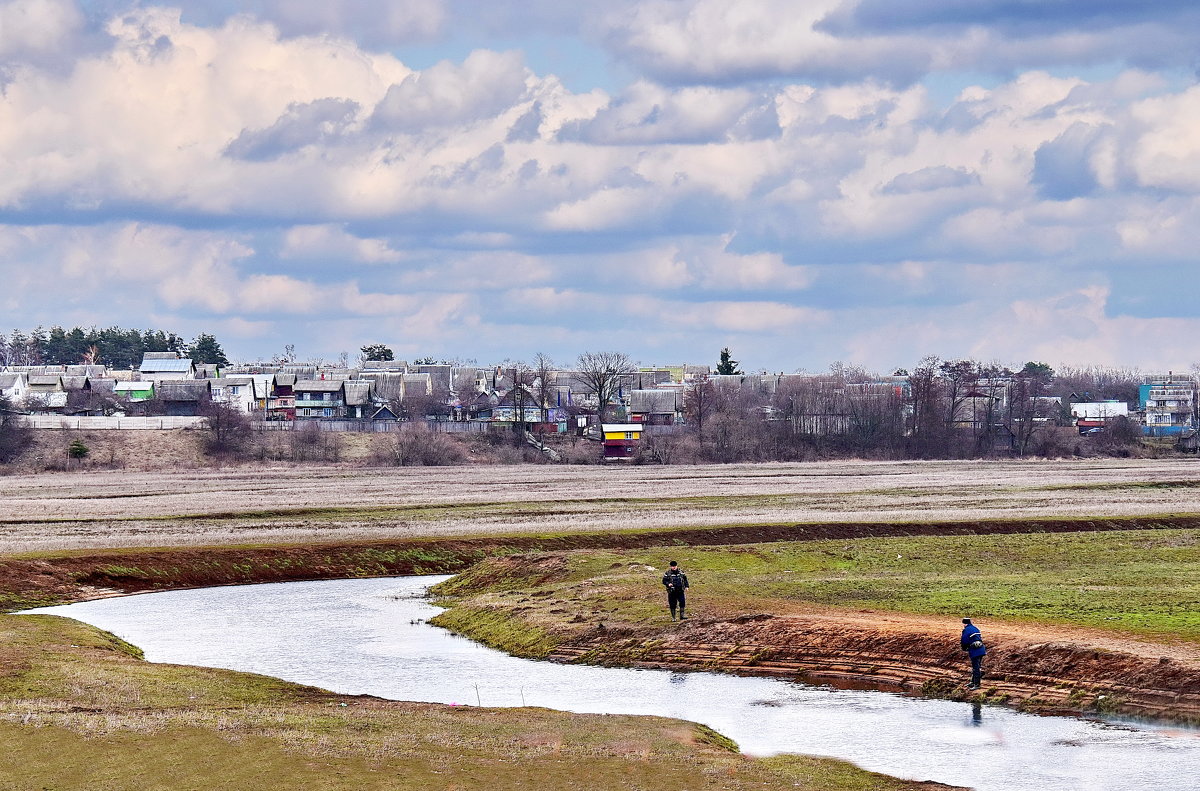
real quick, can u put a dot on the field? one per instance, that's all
(858, 570)
(106, 509)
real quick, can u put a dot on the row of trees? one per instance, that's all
(115, 347)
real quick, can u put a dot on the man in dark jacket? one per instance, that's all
(972, 643)
(676, 583)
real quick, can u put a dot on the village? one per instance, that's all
(943, 408)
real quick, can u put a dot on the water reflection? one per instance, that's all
(370, 637)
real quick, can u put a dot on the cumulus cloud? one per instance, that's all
(482, 199)
(482, 86)
(372, 23)
(333, 242)
(35, 30)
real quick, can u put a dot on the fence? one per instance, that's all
(374, 426)
(111, 422)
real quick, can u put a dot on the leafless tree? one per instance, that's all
(543, 386)
(15, 434)
(603, 373)
(699, 402)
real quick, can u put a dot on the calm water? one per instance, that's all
(368, 637)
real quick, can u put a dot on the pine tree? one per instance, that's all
(206, 350)
(727, 366)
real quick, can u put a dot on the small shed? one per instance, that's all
(620, 439)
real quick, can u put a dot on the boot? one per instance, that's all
(682, 617)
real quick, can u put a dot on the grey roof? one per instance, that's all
(104, 385)
(160, 356)
(415, 382)
(285, 380)
(234, 381)
(90, 371)
(188, 390)
(45, 381)
(8, 381)
(319, 385)
(384, 365)
(388, 386)
(166, 366)
(653, 402)
(76, 383)
(358, 392)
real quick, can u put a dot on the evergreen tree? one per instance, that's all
(727, 366)
(376, 351)
(206, 350)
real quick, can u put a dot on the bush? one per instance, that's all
(415, 445)
(77, 450)
(228, 429)
(15, 434)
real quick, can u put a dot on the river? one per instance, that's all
(371, 637)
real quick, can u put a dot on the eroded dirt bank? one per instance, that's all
(1027, 667)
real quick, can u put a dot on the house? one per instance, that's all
(281, 402)
(165, 366)
(358, 398)
(320, 398)
(654, 407)
(14, 386)
(1169, 404)
(620, 439)
(184, 398)
(134, 392)
(46, 392)
(239, 392)
(518, 405)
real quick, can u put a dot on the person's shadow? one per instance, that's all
(976, 714)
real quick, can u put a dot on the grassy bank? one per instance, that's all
(79, 709)
(1139, 582)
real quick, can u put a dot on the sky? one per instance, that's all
(802, 181)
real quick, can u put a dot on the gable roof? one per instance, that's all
(319, 385)
(45, 381)
(9, 381)
(166, 366)
(188, 390)
(358, 392)
(653, 402)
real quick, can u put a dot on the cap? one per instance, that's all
(673, 563)
(966, 620)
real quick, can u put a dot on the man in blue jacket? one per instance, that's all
(972, 643)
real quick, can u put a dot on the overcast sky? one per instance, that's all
(801, 180)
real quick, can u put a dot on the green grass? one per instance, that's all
(1142, 582)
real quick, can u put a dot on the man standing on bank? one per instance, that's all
(676, 583)
(972, 643)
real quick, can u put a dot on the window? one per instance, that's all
(628, 435)
(327, 412)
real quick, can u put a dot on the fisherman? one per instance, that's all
(676, 583)
(972, 643)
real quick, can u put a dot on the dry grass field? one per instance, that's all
(54, 511)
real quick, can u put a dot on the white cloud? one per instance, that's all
(334, 242)
(37, 28)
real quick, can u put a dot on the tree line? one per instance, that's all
(115, 347)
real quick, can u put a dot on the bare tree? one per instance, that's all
(699, 402)
(15, 434)
(603, 373)
(543, 387)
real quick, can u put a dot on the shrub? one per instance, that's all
(415, 445)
